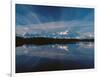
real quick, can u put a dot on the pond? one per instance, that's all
(52, 57)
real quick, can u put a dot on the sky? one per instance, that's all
(36, 18)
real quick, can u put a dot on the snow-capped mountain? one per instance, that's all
(64, 34)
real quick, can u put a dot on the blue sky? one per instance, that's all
(49, 14)
(54, 18)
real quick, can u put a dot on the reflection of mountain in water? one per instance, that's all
(32, 50)
(86, 44)
(52, 51)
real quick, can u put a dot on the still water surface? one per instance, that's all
(33, 58)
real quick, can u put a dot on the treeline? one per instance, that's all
(43, 40)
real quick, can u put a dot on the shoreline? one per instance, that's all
(43, 41)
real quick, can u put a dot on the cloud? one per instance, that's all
(82, 28)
